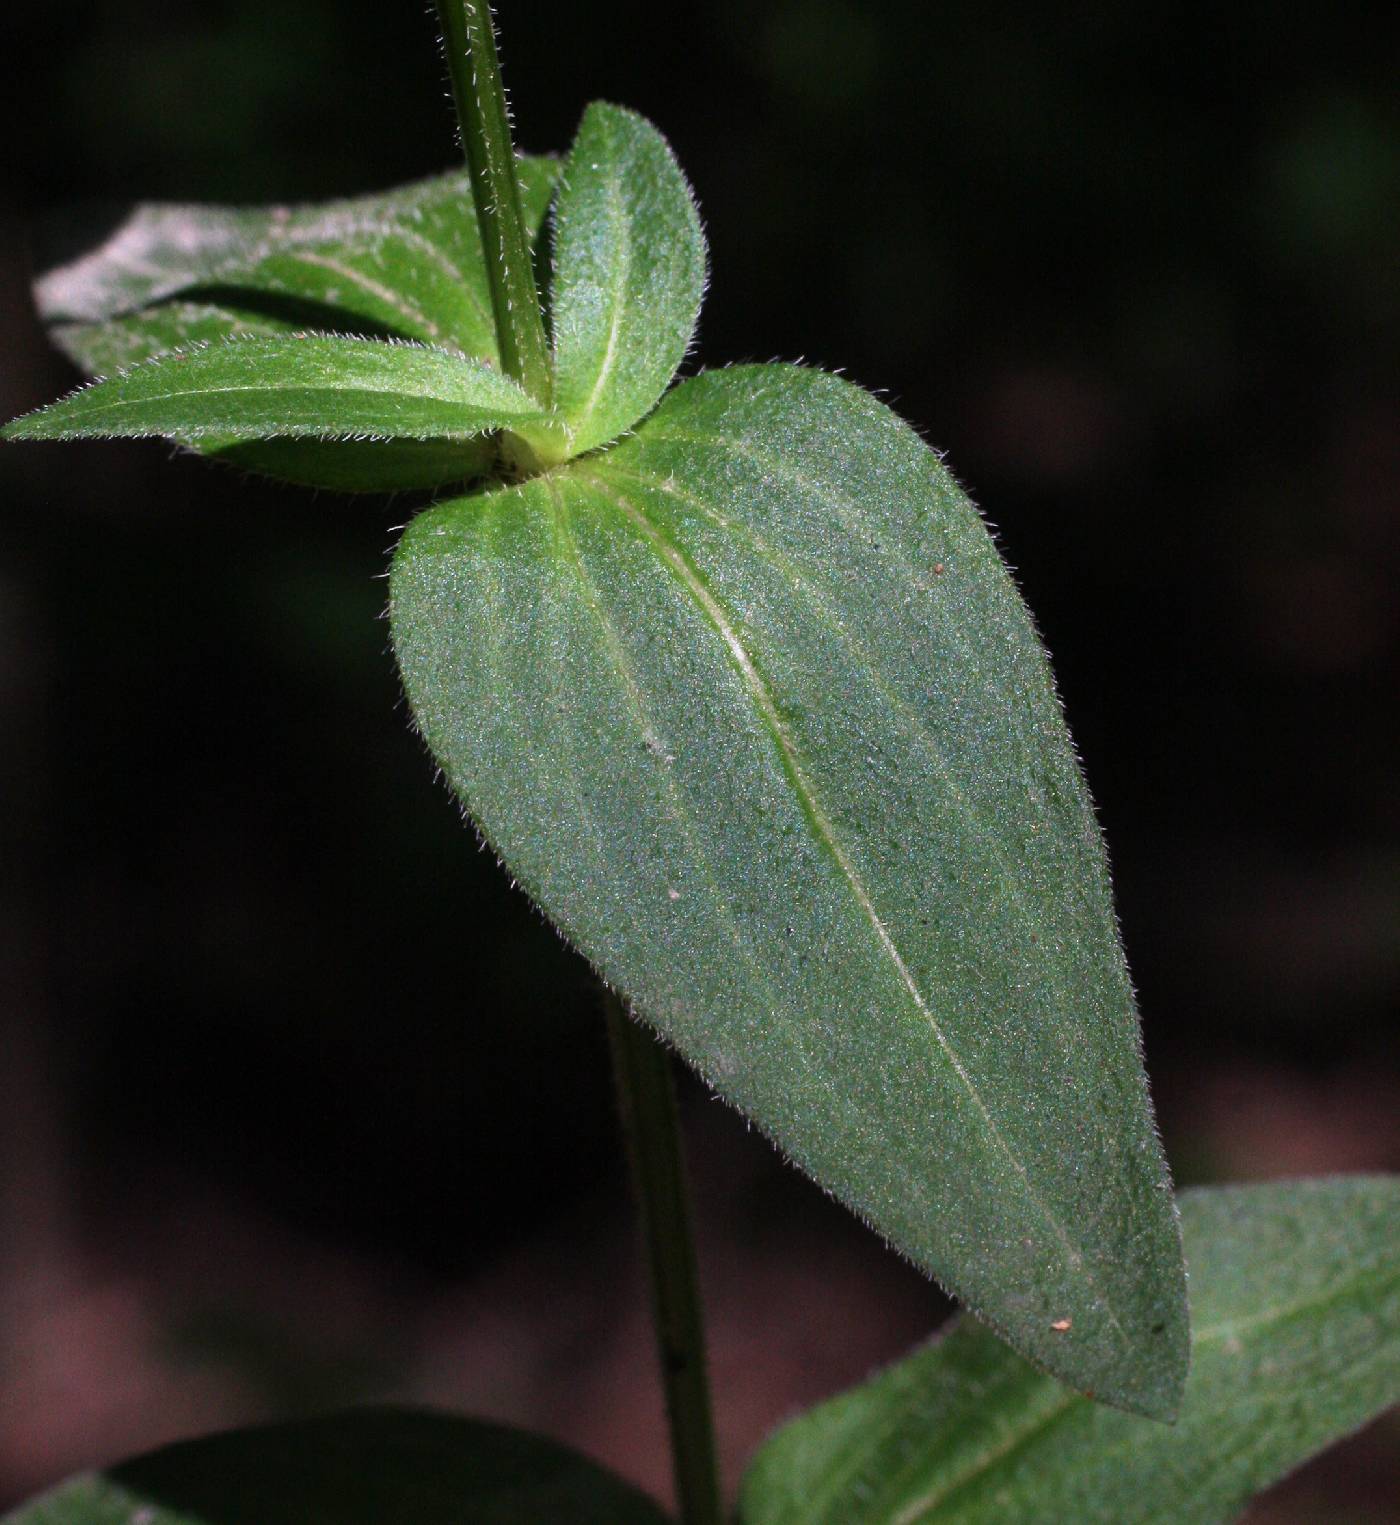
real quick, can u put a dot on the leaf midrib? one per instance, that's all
(1055, 948)
(1213, 1334)
(1015, 1439)
(778, 466)
(622, 269)
(694, 585)
(468, 430)
(593, 598)
(781, 563)
(377, 289)
(1282, 1313)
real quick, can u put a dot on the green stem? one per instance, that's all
(646, 1095)
(469, 42)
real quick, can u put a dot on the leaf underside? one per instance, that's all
(405, 264)
(749, 705)
(1295, 1293)
(370, 1467)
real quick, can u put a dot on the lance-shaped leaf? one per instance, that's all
(370, 1467)
(1295, 1297)
(629, 272)
(313, 387)
(406, 263)
(750, 706)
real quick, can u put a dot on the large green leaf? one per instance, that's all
(750, 706)
(371, 1467)
(629, 272)
(407, 264)
(313, 387)
(1295, 1293)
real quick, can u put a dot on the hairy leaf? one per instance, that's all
(370, 1467)
(406, 264)
(101, 349)
(750, 706)
(1295, 1293)
(313, 387)
(629, 272)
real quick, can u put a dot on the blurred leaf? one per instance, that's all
(370, 1467)
(405, 264)
(1295, 1292)
(751, 707)
(629, 274)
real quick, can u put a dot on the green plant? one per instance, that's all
(745, 699)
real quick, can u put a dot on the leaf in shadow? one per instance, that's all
(367, 1467)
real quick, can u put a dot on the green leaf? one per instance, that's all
(750, 706)
(314, 387)
(629, 272)
(404, 264)
(102, 349)
(370, 1467)
(1295, 1292)
(358, 466)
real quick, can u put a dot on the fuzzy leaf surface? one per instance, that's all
(367, 1467)
(750, 706)
(404, 264)
(1295, 1293)
(314, 387)
(629, 273)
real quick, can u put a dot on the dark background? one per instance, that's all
(301, 1104)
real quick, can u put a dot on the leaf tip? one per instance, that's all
(1153, 1388)
(28, 426)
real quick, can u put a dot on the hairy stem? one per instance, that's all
(469, 43)
(646, 1095)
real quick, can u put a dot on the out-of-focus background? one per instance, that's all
(299, 1103)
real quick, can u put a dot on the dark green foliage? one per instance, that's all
(735, 683)
(375, 1467)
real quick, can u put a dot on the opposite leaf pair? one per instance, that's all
(745, 700)
(628, 273)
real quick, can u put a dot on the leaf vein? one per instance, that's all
(386, 294)
(1054, 948)
(683, 817)
(621, 272)
(762, 698)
